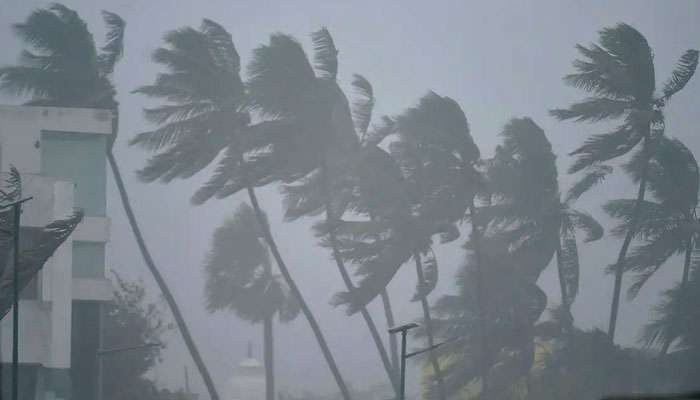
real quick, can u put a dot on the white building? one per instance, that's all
(248, 381)
(61, 156)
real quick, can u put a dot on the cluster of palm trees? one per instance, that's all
(386, 193)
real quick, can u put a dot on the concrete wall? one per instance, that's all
(45, 323)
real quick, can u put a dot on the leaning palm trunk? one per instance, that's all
(484, 356)
(268, 349)
(684, 285)
(162, 285)
(330, 220)
(429, 330)
(636, 214)
(297, 293)
(393, 342)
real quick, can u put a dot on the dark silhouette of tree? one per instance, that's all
(130, 320)
(207, 113)
(619, 74)
(318, 146)
(667, 224)
(240, 279)
(65, 69)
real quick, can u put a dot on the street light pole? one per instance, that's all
(16, 212)
(404, 356)
(404, 331)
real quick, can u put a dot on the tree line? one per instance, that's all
(386, 191)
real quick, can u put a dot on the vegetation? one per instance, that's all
(386, 192)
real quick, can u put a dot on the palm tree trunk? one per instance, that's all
(162, 285)
(684, 284)
(620, 264)
(349, 285)
(269, 359)
(429, 329)
(393, 342)
(564, 295)
(483, 318)
(297, 293)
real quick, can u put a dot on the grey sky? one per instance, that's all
(498, 59)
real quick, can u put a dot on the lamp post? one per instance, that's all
(403, 329)
(16, 212)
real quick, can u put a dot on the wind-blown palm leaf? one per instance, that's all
(647, 258)
(13, 187)
(681, 74)
(325, 54)
(587, 224)
(569, 268)
(114, 42)
(362, 107)
(279, 73)
(37, 246)
(593, 175)
(430, 276)
(600, 148)
(657, 219)
(594, 109)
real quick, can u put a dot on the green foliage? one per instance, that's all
(239, 275)
(131, 320)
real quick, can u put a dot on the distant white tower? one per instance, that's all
(248, 381)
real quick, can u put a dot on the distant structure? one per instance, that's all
(60, 154)
(248, 381)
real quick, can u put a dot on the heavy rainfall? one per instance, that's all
(334, 200)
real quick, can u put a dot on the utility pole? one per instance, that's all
(404, 356)
(404, 330)
(16, 212)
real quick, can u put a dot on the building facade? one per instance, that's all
(61, 156)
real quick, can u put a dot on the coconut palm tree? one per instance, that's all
(526, 206)
(440, 163)
(240, 279)
(206, 115)
(65, 69)
(619, 74)
(667, 224)
(317, 151)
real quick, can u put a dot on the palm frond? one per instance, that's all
(593, 176)
(601, 148)
(38, 245)
(362, 107)
(12, 190)
(587, 224)
(593, 109)
(430, 276)
(681, 75)
(279, 75)
(114, 42)
(647, 258)
(325, 54)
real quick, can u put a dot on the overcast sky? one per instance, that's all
(498, 59)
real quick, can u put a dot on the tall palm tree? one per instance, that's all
(667, 224)
(65, 69)
(240, 279)
(526, 205)
(315, 156)
(619, 74)
(439, 160)
(205, 114)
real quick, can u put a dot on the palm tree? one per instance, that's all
(439, 162)
(205, 114)
(240, 279)
(526, 206)
(666, 226)
(619, 74)
(316, 153)
(677, 320)
(65, 69)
